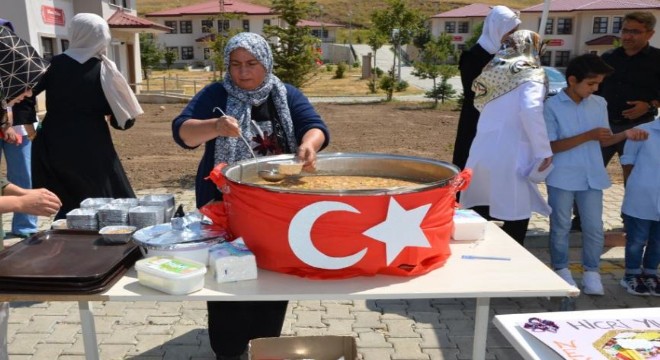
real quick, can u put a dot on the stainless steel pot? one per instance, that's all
(431, 173)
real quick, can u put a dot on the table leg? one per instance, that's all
(4, 329)
(480, 329)
(89, 330)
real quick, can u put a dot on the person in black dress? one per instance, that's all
(73, 154)
(500, 22)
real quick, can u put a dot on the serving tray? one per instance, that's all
(65, 257)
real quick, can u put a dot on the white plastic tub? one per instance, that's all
(172, 275)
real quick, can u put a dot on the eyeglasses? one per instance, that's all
(632, 32)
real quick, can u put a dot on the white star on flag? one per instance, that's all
(401, 228)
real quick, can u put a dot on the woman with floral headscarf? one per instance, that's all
(276, 118)
(73, 154)
(511, 140)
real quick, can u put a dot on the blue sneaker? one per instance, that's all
(635, 285)
(652, 284)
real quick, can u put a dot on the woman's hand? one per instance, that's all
(227, 126)
(307, 154)
(11, 137)
(546, 162)
(41, 202)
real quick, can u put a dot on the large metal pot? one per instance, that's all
(343, 233)
(432, 173)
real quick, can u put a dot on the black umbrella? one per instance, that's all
(21, 67)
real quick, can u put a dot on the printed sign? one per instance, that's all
(457, 38)
(52, 15)
(555, 42)
(611, 339)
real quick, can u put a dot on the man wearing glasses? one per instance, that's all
(633, 90)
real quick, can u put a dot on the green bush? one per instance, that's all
(401, 86)
(341, 70)
(357, 64)
(328, 67)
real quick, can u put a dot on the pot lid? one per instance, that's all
(190, 229)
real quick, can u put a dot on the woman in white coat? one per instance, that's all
(511, 140)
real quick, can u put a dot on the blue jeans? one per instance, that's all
(19, 173)
(590, 205)
(642, 245)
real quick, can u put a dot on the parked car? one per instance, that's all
(556, 80)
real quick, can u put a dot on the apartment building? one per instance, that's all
(574, 27)
(44, 23)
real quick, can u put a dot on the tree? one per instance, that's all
(170, 57)
(150, 54)
(443, 91)
(375, 40)
(435, 53)
(217, 41)
(476, 33)
(295, 54)
(399, 23)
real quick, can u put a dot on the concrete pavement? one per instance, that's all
(424, 329)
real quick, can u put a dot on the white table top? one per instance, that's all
(532, 348)
(523, 276)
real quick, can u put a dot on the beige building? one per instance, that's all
(574, 27)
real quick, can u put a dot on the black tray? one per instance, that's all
(64, 256)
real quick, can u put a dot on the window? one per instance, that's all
(593, 52)
(173, 49)
(460, 47)
(546, 58)
(187, 53)
(450, 27)
(600, 25)
(65, 44)
(564, 26)
(186, 26)
(173, 25)
(246, 25)
(207, 53)
(266, 22)
(561, 58)
(463, 27)
(617, 23)
(223, 25)
(207, 26)
(320, 33)
(549, 25)
(47, 48)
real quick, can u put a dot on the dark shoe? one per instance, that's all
(635, 285)
(19, 235)
(576, 226)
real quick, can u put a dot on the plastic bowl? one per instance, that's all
(117, 234)
(291, 167)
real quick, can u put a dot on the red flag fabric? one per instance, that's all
(333, 236)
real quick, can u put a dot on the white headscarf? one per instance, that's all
(499, 21)
(89, 36)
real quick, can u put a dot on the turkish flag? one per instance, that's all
(339, 236)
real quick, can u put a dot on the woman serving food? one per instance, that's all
(274, 118)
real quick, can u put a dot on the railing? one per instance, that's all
(172, 85)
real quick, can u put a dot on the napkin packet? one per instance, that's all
(232, 261)
(468, 225)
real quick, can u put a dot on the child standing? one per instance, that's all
(577, 128)
(641, 212)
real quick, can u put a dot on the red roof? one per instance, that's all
(603, 40)
(472, 10)
(122, 20)
(311, 23)
(581, 5)
(213, 8)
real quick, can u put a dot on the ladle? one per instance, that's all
(271, 175)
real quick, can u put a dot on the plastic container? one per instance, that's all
(172, 275)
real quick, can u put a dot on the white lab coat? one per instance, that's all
(511, 138)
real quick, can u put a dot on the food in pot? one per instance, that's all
(341, 182)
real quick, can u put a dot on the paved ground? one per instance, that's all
(425, 329)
